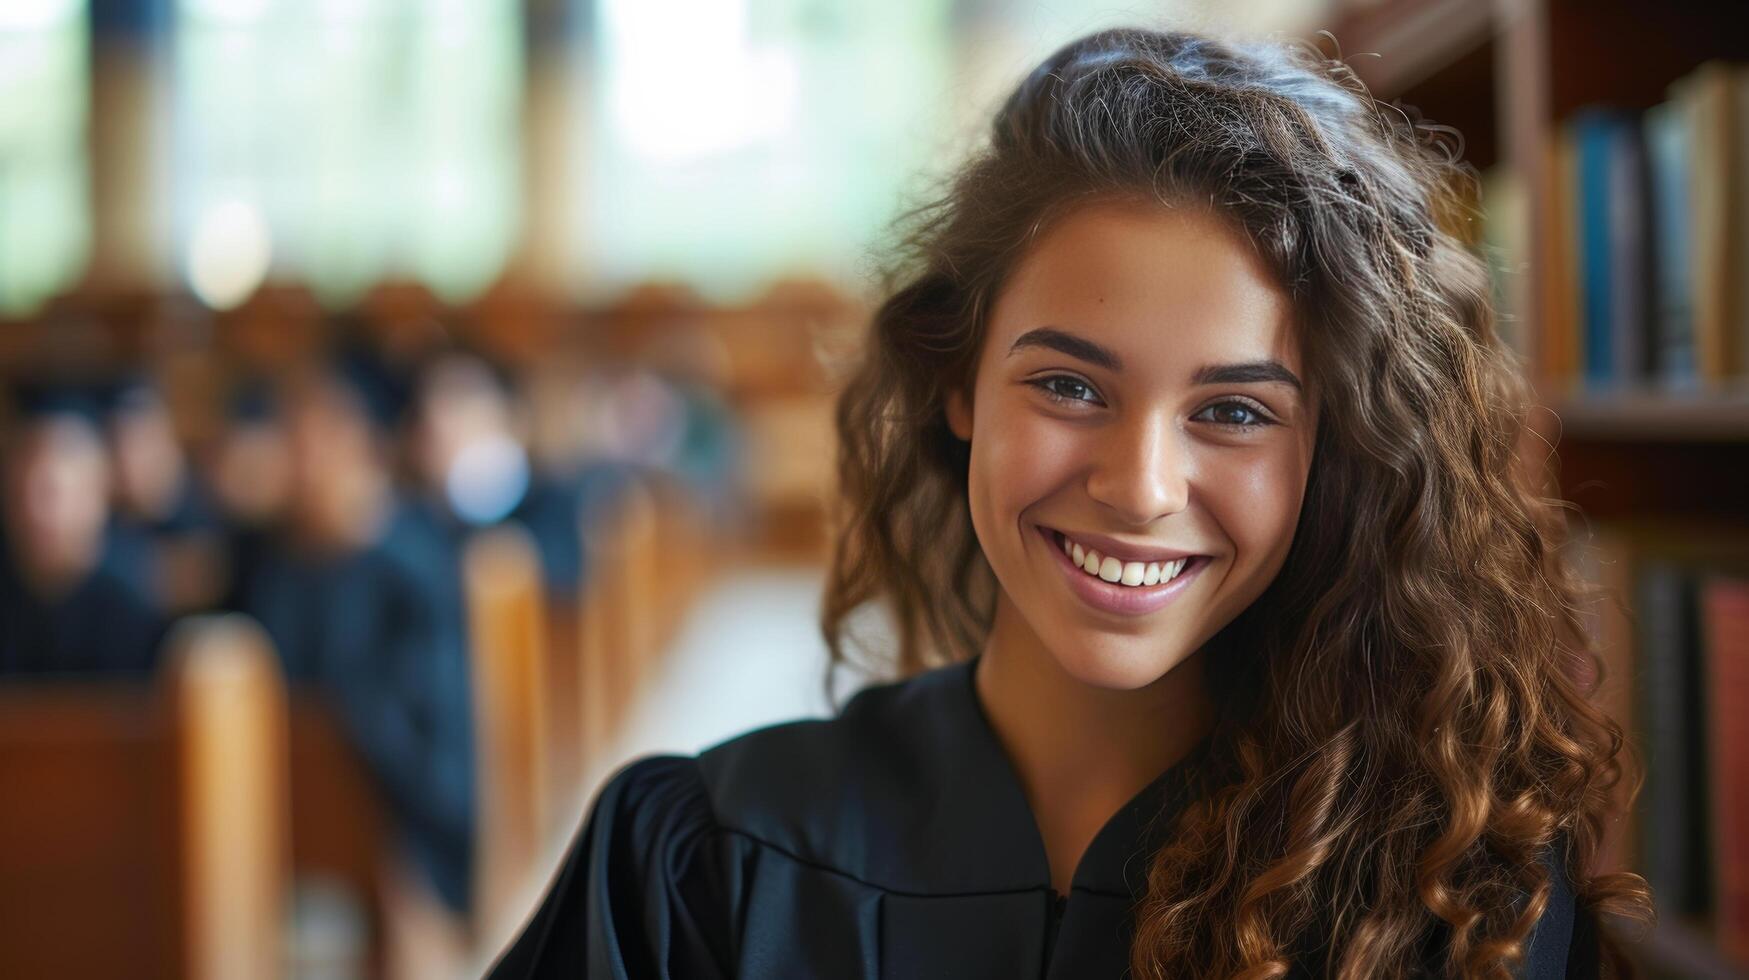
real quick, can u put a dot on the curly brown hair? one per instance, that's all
(1406, 714)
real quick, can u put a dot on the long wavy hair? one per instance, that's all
(1406, 722)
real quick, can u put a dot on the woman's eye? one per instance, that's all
(1236, 415)
(1062, 388)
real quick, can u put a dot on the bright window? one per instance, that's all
(342, 142)
(728, 142)
(45, 204)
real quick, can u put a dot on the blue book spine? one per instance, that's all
(1669, 138)
(1630, 255)
(1595, 135)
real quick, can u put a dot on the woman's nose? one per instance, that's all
(1143, 472)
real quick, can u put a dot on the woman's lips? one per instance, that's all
(1121, 600)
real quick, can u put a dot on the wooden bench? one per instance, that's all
(143, 830)
(508, 634)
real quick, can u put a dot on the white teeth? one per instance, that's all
(1131, 573)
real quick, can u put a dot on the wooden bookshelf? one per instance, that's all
(1678, 418)
(1438, 56)
(1398, 45)
(1681, 950)
(1509, 74)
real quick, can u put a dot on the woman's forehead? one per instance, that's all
(1156, 286)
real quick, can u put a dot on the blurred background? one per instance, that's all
(415, 409)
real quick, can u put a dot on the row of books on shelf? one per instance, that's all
(1647, 244)
(1680, 659)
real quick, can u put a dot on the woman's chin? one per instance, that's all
(1117, 666)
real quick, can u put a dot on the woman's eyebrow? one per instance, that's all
(1068, 343)
(1248, 372)
(1245, 372)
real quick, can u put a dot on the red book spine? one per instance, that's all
(1725, 622)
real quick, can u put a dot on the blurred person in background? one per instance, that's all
(67, 606)
(469, 466)
(362, 603)
(248, 467)
(575, 444)
(669, 420)
(472, 467)
(164, 529)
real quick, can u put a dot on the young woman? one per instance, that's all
(1236, 645)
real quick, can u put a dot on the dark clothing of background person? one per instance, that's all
(552, 512)
(104, 625)
(247, 548)
(894, 841)
(381, 632)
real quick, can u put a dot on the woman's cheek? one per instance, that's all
(1039, 449)
(1257, 501)
(1008, 447)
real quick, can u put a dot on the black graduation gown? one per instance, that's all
(892, 842)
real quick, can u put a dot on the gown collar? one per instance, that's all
(909, 789)
(988, 802)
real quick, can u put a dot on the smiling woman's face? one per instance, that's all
(1140, 391)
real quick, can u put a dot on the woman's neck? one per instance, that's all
(1082, 751)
